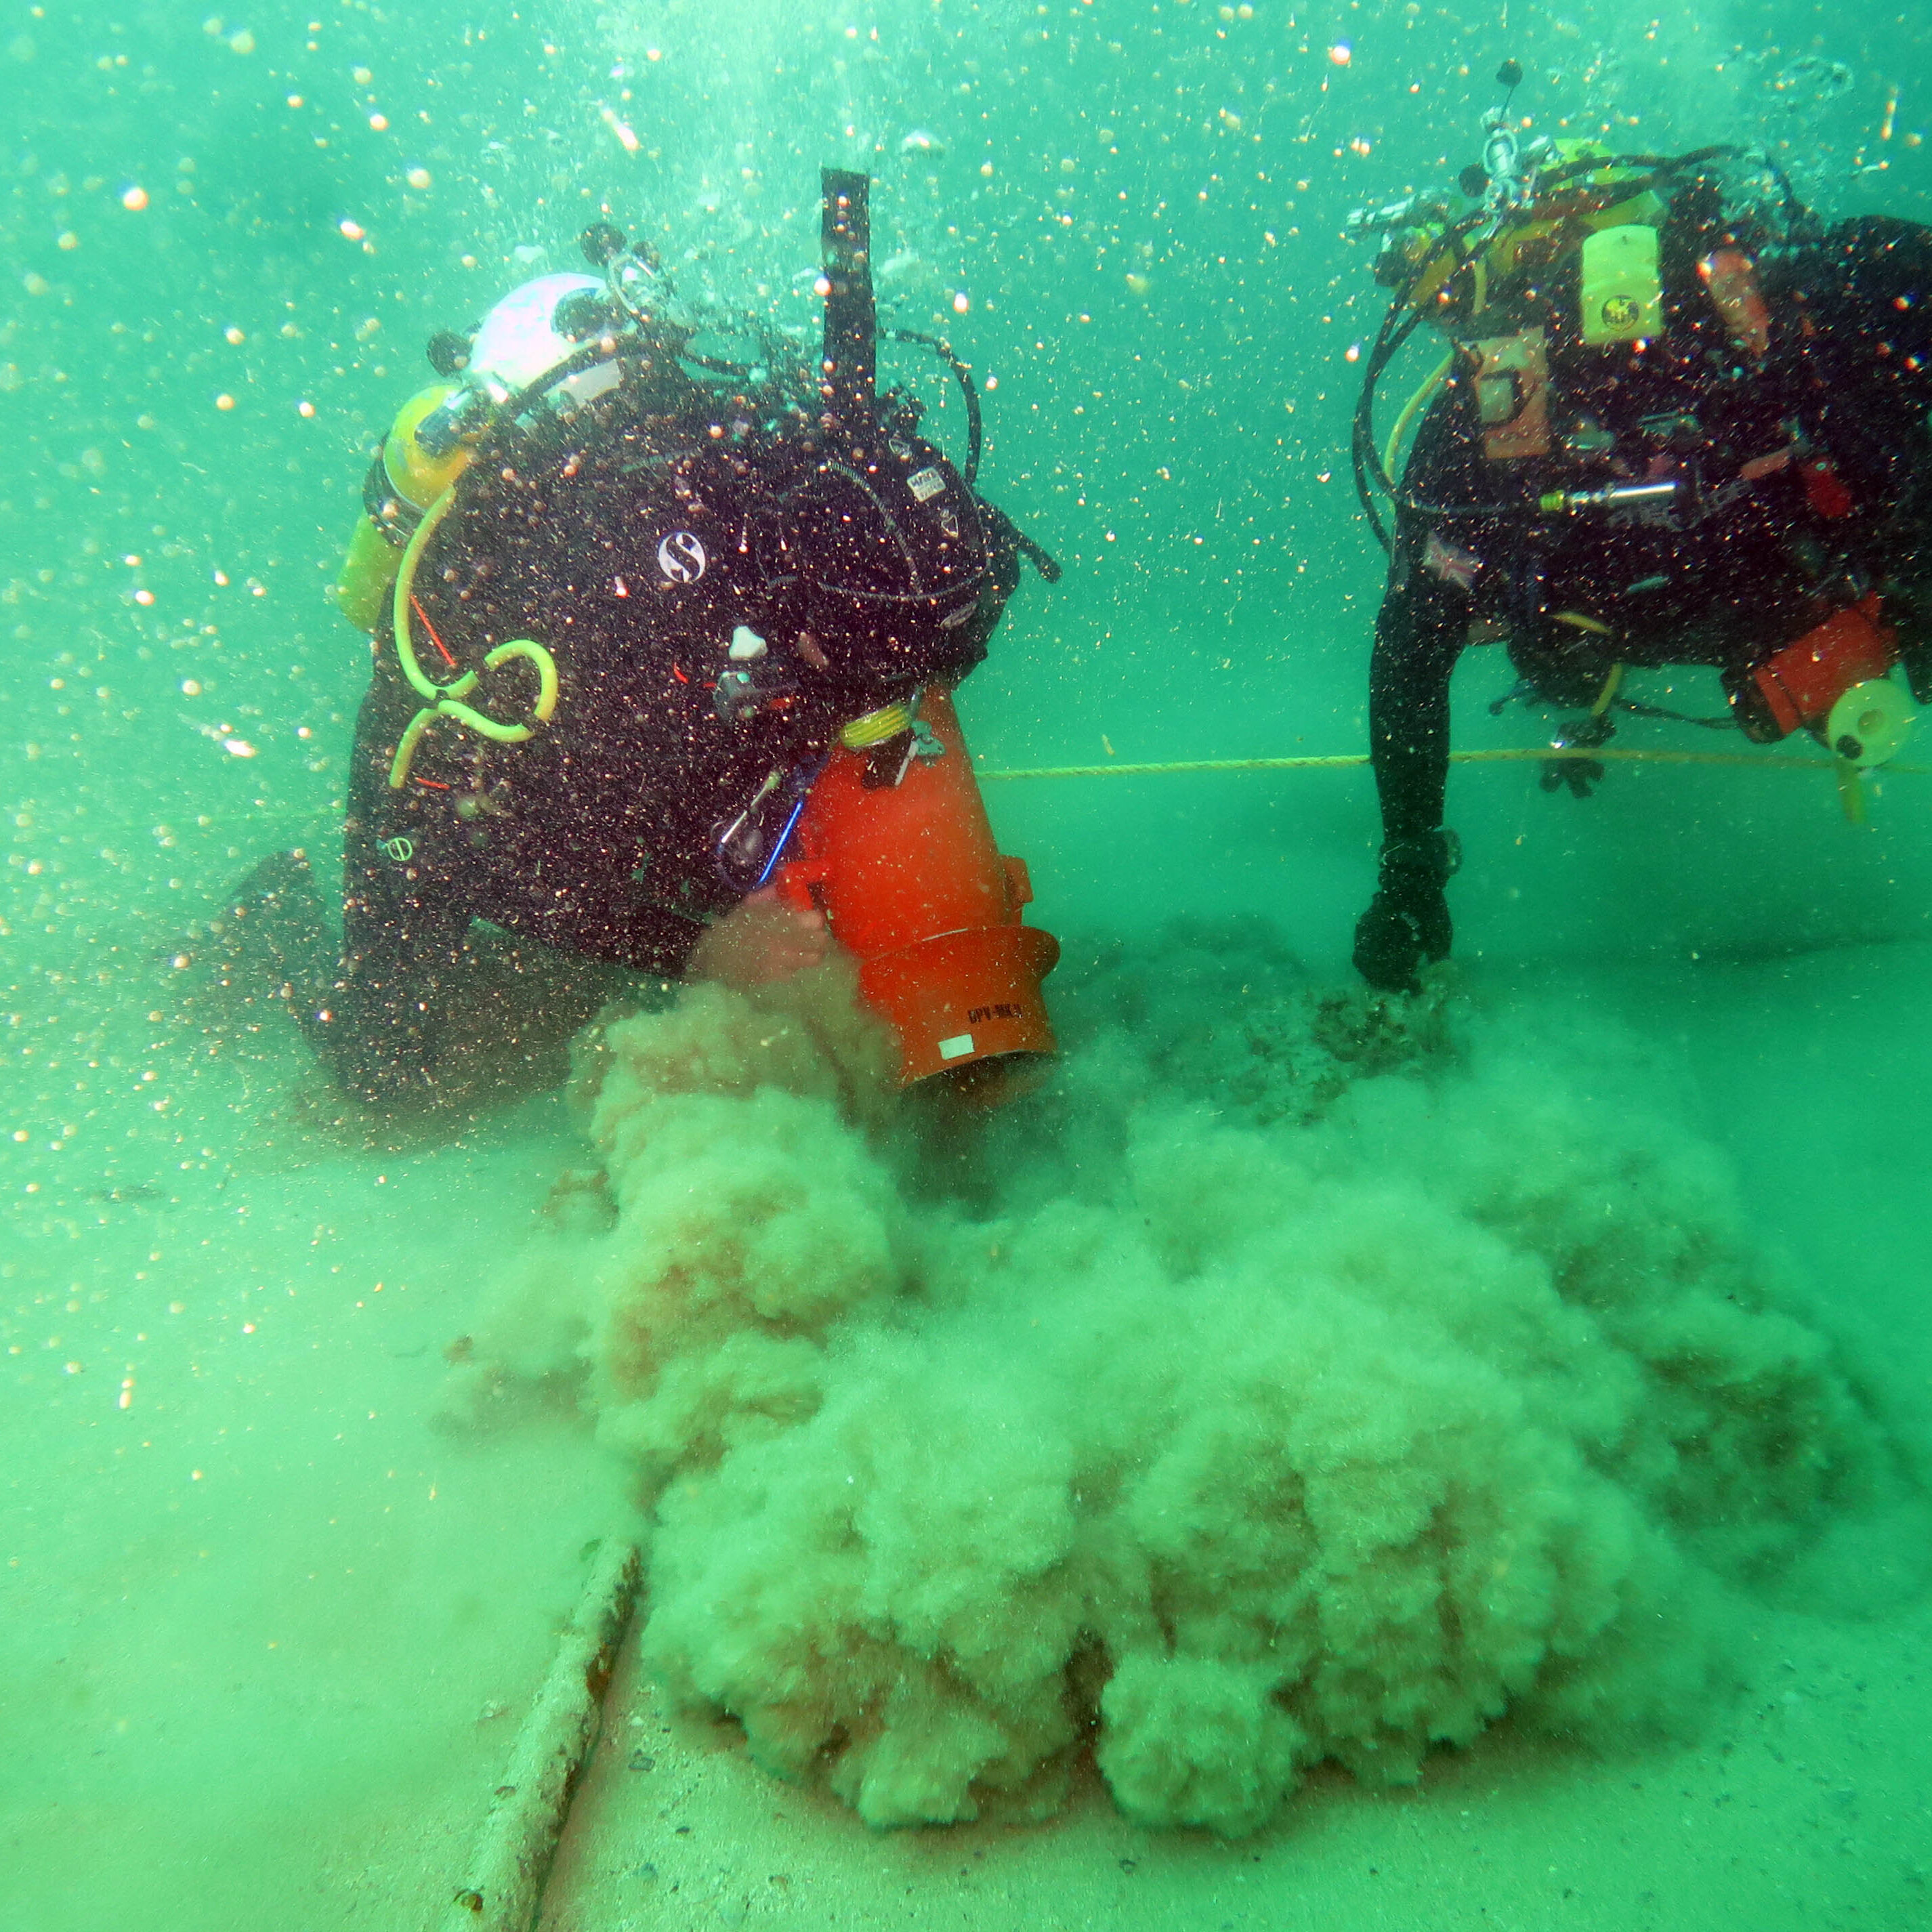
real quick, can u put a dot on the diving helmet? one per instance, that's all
(522, 339)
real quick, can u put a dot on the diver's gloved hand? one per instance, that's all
(1408, 919)
(1583, 775)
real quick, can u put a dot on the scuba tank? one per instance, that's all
(404, 480)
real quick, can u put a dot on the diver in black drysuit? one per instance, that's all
(1808, 478)
(719, 599)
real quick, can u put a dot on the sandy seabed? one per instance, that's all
(270, 1622)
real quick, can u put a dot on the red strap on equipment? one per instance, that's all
(1825, 490)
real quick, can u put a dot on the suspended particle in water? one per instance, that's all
(224, 401)
(352, 229)
(961, 303)
(134, 198)
(418, 178)
(234, 336)
(1341, 53)
(626, 136)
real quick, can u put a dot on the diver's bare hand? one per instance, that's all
(760, 940)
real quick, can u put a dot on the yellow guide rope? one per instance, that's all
(1847, 776)
(1604, 754)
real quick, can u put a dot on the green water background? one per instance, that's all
(1140, 208)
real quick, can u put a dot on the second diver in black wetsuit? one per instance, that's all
(1669, 434)
(651, 596)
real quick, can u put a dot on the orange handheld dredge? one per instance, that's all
(904, 866)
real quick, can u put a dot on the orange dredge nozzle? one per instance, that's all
(913, 886)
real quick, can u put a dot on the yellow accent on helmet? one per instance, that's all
(1622, 285)
(417, 477)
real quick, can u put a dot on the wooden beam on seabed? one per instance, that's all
(504, 1884)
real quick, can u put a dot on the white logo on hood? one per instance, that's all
(682, 557)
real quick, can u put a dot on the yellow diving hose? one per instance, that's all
(1413, 408)
(874, 727)
(445, 700)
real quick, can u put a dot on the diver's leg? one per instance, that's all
(1419, 634)
(380, 1023)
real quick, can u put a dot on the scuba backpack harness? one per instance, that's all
(1549, 212)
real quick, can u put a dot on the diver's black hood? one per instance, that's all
(1855, 337)
(882, 553)
(1872, 277)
